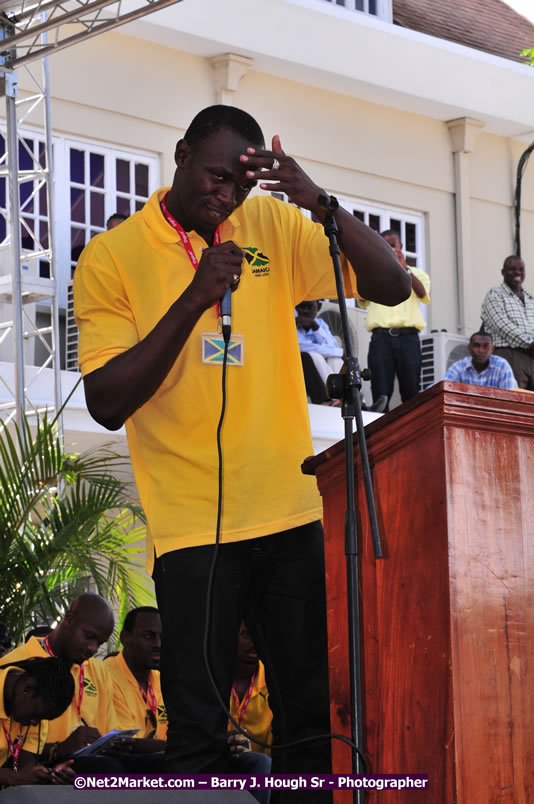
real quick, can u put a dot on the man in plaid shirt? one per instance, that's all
(508, 315)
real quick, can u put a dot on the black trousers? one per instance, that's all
(390, 355)
(276, 584)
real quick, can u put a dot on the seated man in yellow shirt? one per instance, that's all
(95, 707)
(31, 691)
(249, 707)
(135, 670)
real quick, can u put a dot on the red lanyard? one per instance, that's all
(184, 237)
(14, 750)
(46, 646)
(246, 699)
(48, 649)
(150, 699)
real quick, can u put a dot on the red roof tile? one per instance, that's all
(488, 25)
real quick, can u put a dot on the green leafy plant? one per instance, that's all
(64, 518)
(528, 55)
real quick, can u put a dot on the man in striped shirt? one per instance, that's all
(508, 314)
(482, 367)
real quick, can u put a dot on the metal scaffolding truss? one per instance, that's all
(65, 23)
(28, 33)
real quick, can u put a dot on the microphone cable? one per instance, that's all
(209, 601)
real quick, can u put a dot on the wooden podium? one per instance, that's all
(447, 616)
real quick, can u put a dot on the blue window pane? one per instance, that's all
(3, 228)
(77, 205)
(97, 210)
(77, 243)
(44, 269)
(123, 205)
(77, 166)
(42, 154)
(96, 170)
(141, 180)
(396, 225)
(411, 239)
(374, 222)
(3, 193)
(372, 6)
(2, 145)
(25, 236)
(26, 189)
(123, 176)
(25, 158)
(43, 233)
(43, 201)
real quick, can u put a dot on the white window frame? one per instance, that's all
(386, 214)
(62, 201)
(384, 8)
(61, 221)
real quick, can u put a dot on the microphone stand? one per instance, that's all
(346, 386)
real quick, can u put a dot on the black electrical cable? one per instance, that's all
(521, 166)
(209, 597)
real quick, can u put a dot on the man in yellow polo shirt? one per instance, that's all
(135, 671)
(32, 692)
(96, 706)
(146, 302)
(395, 348)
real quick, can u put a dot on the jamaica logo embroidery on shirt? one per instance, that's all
(162, 713)
(258, 261)
(89, 687)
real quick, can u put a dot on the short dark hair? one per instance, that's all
(511, 258)
(37, 631)
(120, 216)
(482, 334)
(53, 679)
(391, 233)
(210, 120)
(131, 617)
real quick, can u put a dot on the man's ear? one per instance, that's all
(124, 637)
(492, 348)
(182, 153)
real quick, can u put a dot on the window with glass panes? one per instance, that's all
(91, 182)
(103, 181)
(33, 198)
(408, 225)
(377, 8)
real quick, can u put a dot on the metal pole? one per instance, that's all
(50, 200)
(14, 225)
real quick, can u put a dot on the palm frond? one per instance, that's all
(64, 518)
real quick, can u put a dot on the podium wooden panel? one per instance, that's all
(448, 613)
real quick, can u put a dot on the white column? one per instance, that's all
(463, 133)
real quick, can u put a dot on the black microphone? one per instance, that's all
(226, 312)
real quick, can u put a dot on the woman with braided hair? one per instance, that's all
(31, 691)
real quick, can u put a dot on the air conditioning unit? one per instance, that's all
(71, 333)
(439, 351)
